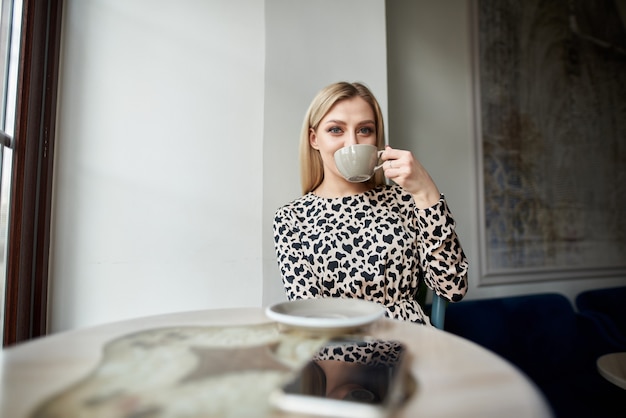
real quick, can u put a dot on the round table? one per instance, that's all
(613, 368)
(455, 377)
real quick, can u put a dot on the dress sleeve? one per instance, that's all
(295, 269)
(442, 258)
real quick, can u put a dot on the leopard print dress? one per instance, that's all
(374, 245)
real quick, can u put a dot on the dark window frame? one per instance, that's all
(26, 293)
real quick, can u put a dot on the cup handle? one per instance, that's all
(380, 152)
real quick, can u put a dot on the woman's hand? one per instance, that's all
(402, 167)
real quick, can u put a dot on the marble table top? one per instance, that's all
(226, 362)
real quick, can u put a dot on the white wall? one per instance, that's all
(158, 174)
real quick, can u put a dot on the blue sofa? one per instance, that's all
(607, 307)
(552, 343)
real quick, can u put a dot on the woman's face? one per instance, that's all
(349, 121)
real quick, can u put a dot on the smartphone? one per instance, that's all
(348, 377)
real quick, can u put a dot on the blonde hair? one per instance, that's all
(311, 167)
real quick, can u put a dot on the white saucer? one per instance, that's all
(325, 313)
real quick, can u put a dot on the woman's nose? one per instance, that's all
(351, 139)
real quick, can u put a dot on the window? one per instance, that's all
(10, 20)
(29, 161)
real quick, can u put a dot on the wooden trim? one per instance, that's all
(33, 156)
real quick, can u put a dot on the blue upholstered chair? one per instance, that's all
(607, 306)
(437, 312)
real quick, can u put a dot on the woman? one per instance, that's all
(365, 240)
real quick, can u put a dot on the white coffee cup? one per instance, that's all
(358, 162)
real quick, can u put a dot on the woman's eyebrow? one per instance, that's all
(337, 121)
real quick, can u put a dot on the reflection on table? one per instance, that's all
(226, 362)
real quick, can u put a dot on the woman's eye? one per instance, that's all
(335, 130)
(366, 130)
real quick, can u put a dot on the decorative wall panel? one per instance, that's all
(551, 100)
